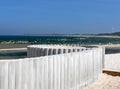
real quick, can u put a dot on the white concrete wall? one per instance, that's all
(45, 50)
(112, 62)
(63, 71)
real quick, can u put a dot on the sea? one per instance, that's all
(83, 40)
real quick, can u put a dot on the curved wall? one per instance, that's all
(72, 69)
(73, 66)
(45, 50)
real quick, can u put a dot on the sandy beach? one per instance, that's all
(112, 46)
(25, 48)
(12, 49)
(106, 82)
(109, 45)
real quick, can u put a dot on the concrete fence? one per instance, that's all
(45, 50)
(112, 62)
(64, 70)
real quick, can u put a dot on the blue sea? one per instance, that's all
(59, 40)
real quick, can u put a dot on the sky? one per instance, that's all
(19, 17)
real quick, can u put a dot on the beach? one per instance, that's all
(112, 46)
(106, 82)
(13, 49)
(108, 45)
(25, 47)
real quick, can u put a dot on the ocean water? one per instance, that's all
(13, 53)
(61, 39)
(57, 40)
(112, 50)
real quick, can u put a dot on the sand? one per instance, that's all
(11, 49)
(108, 45)
(106, 82)
(112, 46)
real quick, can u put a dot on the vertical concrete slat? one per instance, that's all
(3, 75)
(18, 75)
(11, 76)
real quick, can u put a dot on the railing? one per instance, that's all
(72, 70)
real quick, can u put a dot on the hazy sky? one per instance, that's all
(59, 16)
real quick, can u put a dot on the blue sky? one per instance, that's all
(59, 16)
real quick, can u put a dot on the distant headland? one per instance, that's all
(58, 34)
(111, 35)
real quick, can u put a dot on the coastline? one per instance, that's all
(25, 48)
(13, 49)
(109, 45)
(112, 46)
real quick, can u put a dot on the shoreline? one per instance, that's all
(112, 46)
(109, 45)
(25, 48)
(13, 49)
